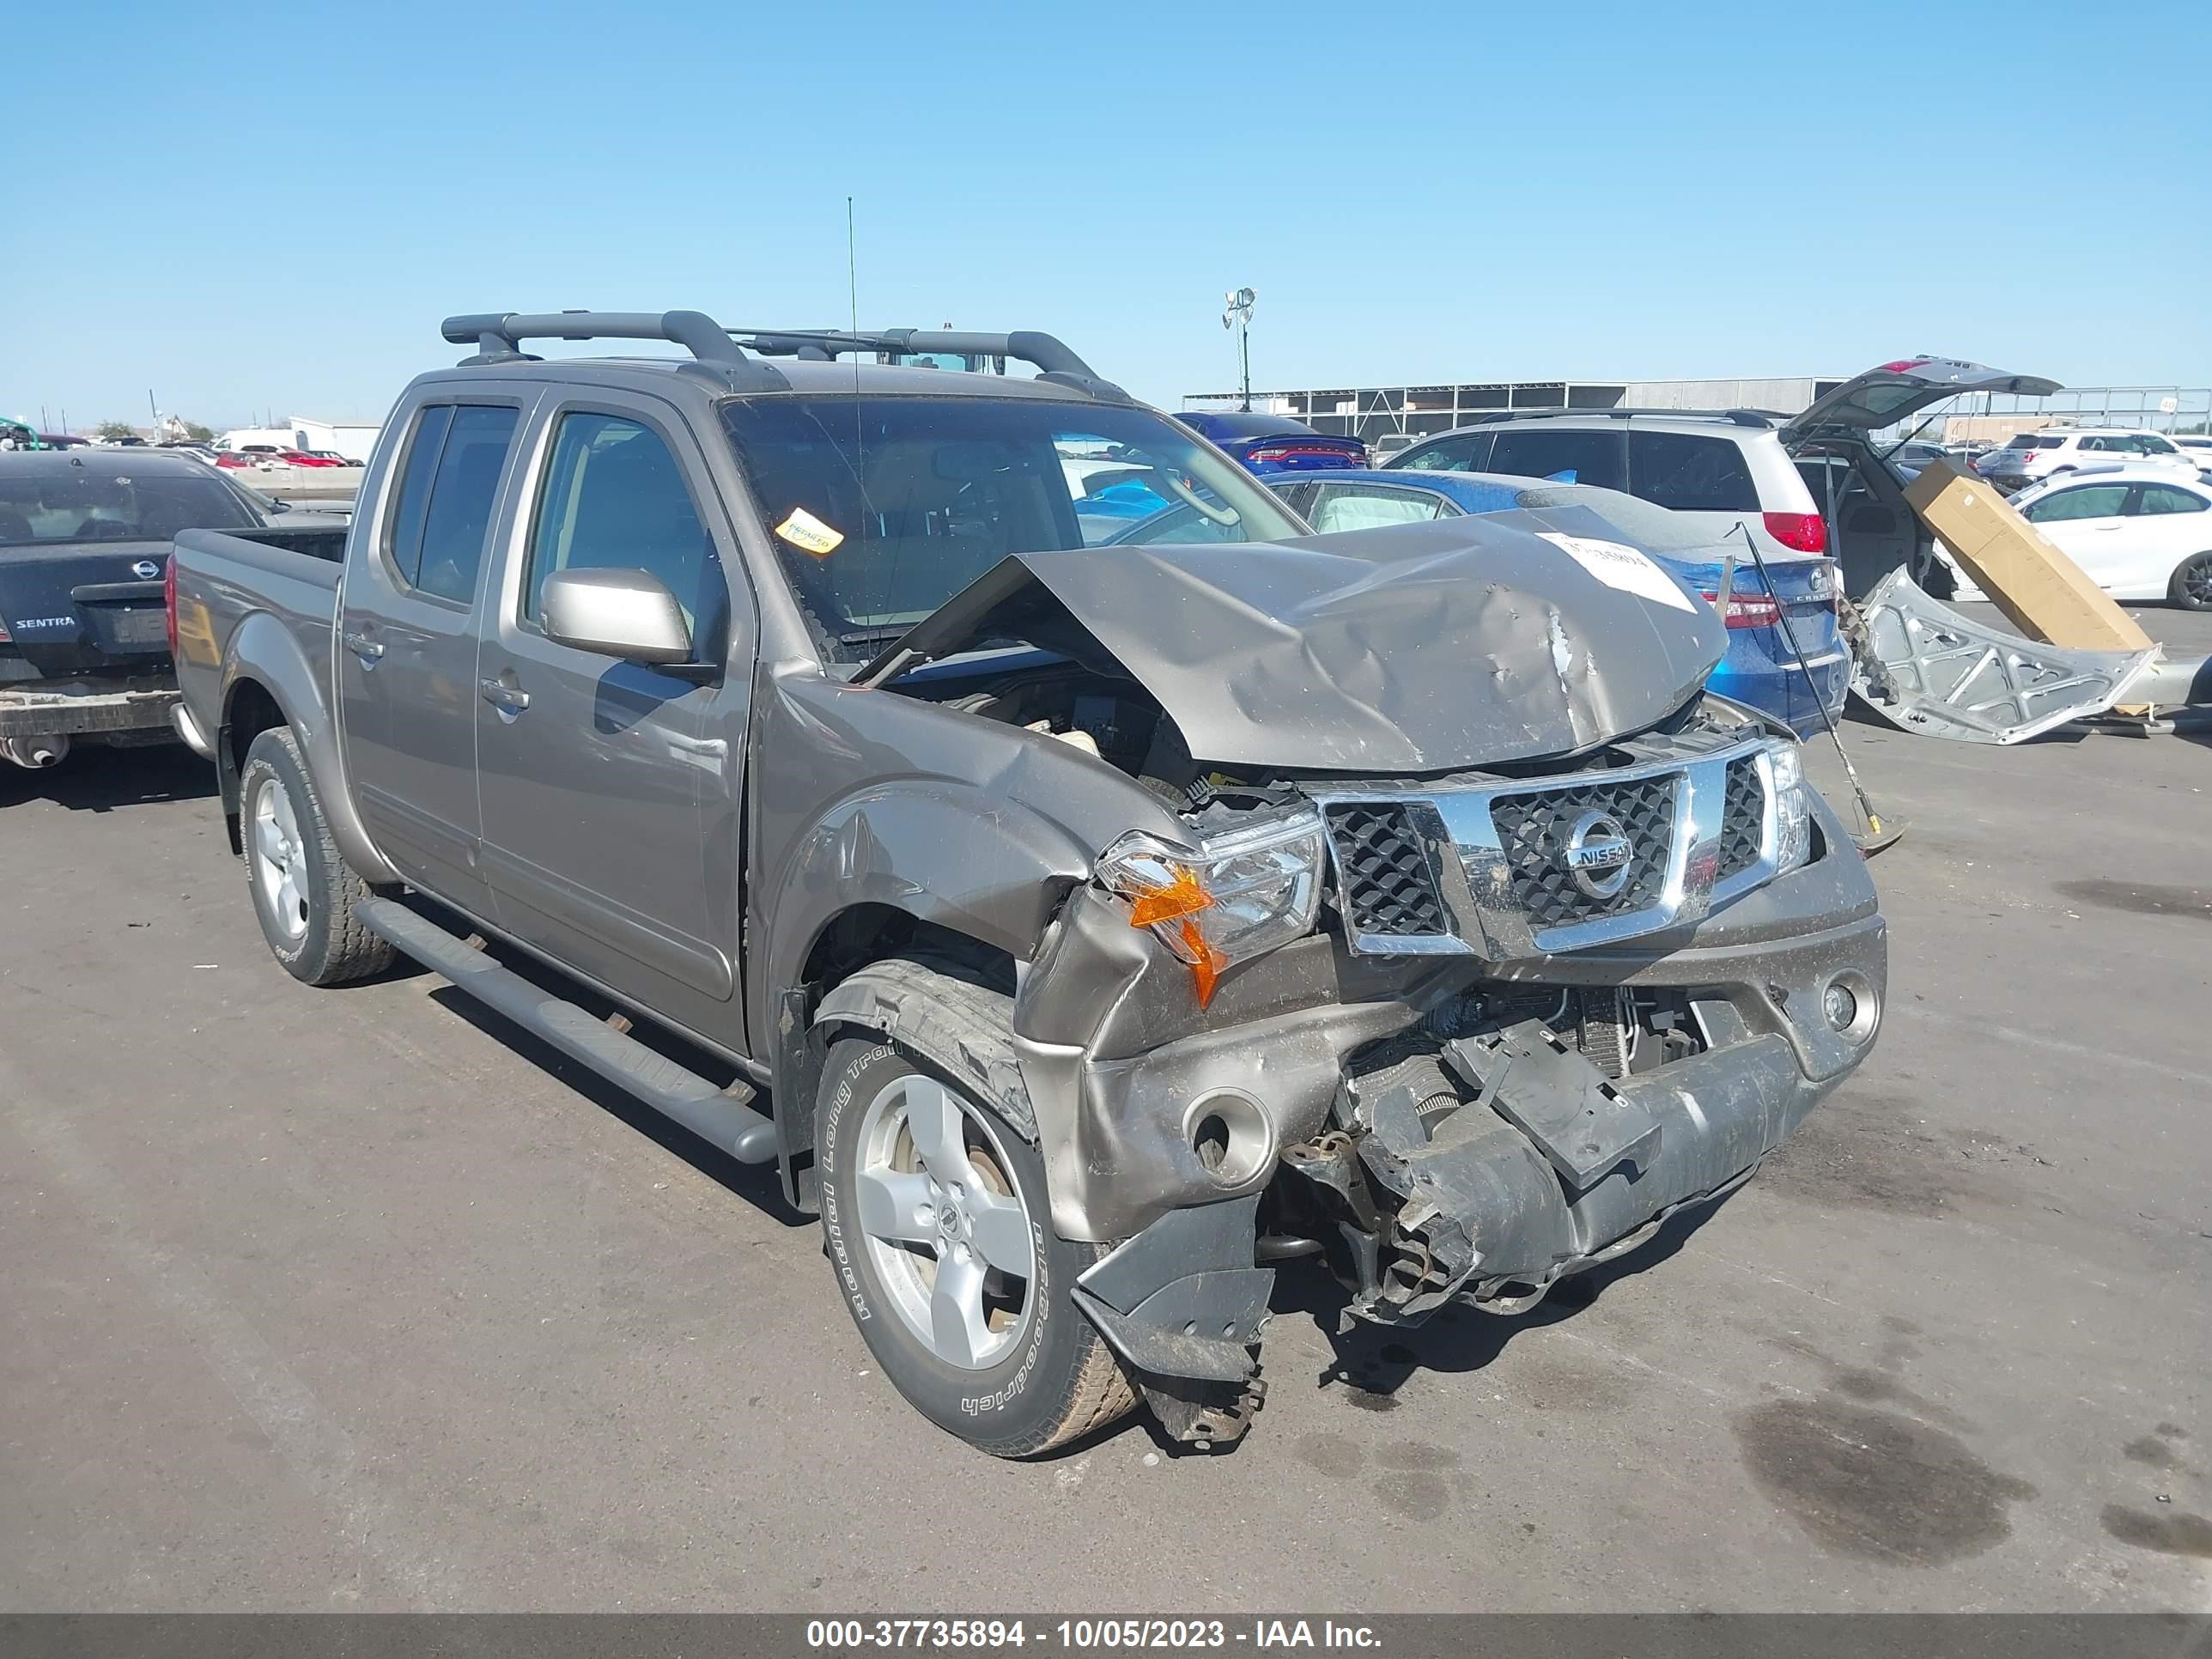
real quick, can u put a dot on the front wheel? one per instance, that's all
(2191, 587)
(303, 891)
(936, 1221)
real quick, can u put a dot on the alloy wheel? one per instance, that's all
(948, 1231)
(279, 862)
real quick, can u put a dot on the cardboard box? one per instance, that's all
(2041, 592)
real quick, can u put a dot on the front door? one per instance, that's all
(2083, 522)
(407, 646)
(611, 788)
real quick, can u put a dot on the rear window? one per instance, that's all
(65, 503)
(2034, 440)
(1233, 429)
(1689, 474)
(1595, 457)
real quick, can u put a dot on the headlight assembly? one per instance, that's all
(1234, 897)
(1793, 805)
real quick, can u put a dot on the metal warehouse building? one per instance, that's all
(1371, 412)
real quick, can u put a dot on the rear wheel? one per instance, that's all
(303, 891)
(936, 1220)
(2191, 587)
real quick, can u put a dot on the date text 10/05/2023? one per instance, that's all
(1087, 1635)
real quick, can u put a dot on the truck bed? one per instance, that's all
(224, 577)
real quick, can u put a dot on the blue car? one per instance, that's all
(1759, 668)
(1269, 444)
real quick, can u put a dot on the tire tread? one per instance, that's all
(352, 951)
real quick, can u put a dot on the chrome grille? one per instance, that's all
(1743, 817)
(1481, 868)
(1533, 831)
(1389, 887)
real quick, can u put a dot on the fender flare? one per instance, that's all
(263, 651)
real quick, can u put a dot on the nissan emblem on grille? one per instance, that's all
(1597, 854)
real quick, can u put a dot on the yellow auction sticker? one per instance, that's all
(808, 534)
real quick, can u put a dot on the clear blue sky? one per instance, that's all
(273, 206)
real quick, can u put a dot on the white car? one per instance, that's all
(2140, 533)
(2030, 458)
(2197, 449)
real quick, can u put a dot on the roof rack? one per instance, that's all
(1053, 360)
(497, 336)
(721, 354)
(1751, 417)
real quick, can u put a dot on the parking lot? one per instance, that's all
(351, 1300)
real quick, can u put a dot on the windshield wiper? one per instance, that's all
(874, 635)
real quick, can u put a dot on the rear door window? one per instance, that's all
(448, 491)
(1594, 458)
(403, 530)
(2155, 499)
(1468, 452)
(463, 497)
(1690, 474)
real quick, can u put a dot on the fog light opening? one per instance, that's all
(1230, 1136)
(1849, 1006)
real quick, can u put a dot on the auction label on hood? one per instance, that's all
(1619, 565)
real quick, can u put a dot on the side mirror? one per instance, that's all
(628, 614)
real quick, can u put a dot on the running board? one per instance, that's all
(718, 1115)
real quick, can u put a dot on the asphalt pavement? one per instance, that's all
(347, 1299)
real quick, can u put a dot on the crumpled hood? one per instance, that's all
(1422, 647)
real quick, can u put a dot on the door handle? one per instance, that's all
(362, 647)
(501, 694)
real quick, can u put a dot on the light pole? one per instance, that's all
(1238, 315)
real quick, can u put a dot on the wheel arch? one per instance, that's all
(942, 994)
(268, 681)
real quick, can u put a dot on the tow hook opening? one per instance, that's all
(1229, 1135)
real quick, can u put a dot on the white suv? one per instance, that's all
(1729, 467)
(1722, 469)
(1738, 466)
(2031, 456)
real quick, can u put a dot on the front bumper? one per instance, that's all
(76, 707)
(1541, 1170)
(1121, 1066)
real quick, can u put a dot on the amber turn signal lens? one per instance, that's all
(1182, 897)
(1206, 962)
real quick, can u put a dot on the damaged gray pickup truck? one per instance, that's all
(1082, 929)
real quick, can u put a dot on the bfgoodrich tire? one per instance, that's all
(303, 891)
(937, 1227)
